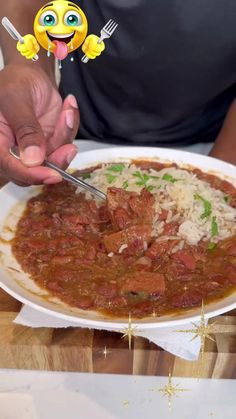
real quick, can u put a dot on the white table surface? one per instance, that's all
(85, 145)
(46, 395)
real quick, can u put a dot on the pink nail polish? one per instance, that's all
(72, 101)
(70, 118)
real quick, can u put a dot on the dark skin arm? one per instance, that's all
(225, 144)
(31, 110)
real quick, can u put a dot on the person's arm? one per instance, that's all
(21, 14)
(225, 144)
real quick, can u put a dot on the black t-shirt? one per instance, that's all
(167, 76)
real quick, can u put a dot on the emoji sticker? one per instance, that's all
(60, 27)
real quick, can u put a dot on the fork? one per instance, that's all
(105, 33)
(14, 151)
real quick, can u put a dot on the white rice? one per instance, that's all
(169, 217)
(178, 247)
(178, 198)
(122, 248)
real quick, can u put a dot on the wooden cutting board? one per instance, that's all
(82, 350)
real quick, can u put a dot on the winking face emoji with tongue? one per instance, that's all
(60, 27)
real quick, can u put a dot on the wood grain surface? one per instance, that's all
(75, 349)
(81, 350)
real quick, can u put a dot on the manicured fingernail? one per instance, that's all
(70, 118)
(53, 179)
(32, 155)
(71, 155)
(72, 101)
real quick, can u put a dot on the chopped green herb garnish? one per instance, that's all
(110, 178)
(125, 184)
(116, 168)
(207, 206)
(143, 178)
(138, 174)
(226, 199)
(214, 227)
(211, 246)
(169, 178)
(86, 175)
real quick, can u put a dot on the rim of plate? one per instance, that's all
(93, 157)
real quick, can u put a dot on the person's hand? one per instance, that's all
(33, 116)
(91, 47)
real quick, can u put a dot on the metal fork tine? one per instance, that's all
(113, 29)
(107, 24)
(111, 26)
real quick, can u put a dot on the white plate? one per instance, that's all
(19, 285)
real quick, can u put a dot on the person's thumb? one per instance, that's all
(29, 135)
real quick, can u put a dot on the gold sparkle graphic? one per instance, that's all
(129, 331)
(126, 403)
(170, 390)
(105, 352)
(203, 330)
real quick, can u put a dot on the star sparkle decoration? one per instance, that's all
(126, 403)
(105, 352)
(129, 331)
(170, 390)
(203, 330)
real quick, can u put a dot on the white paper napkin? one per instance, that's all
(168, 338)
